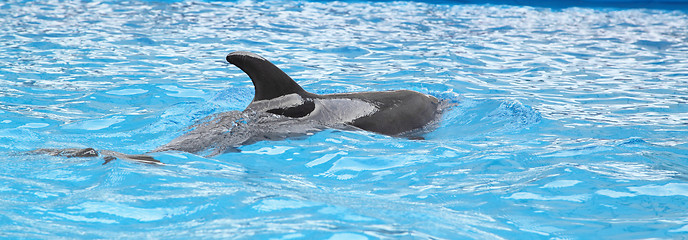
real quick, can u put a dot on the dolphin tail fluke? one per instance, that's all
(90, 152)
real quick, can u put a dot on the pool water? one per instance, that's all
(570, 123)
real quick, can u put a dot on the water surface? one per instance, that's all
(570, 122)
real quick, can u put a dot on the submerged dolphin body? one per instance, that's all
(281, 109)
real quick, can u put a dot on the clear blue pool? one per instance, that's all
(571, 123)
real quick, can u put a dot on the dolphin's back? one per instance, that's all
(387, 112)
(398, 111)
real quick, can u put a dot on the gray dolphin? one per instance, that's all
(281, 108)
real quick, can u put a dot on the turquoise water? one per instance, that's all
(570, 123)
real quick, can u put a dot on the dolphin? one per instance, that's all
(281, 108)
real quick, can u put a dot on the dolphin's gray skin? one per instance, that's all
(389, 112)
(281, 108)
(90, 152)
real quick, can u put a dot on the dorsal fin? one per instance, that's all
(270, 81)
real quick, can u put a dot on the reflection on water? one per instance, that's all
(569, 123)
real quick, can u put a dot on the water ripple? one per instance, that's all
(568, 122)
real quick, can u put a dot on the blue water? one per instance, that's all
(570, 123)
